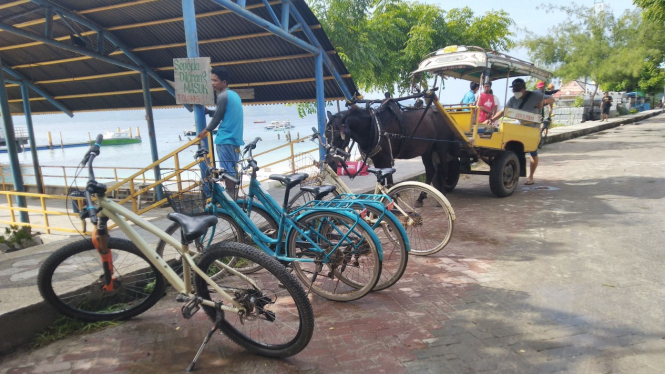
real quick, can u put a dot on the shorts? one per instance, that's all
(534, 153)
(227, 158)
(606, 110)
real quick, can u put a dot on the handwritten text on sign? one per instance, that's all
(192, 81)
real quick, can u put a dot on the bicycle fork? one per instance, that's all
(99, 240)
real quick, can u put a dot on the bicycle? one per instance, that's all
(107, 278)
(424, 212)
(336, 238)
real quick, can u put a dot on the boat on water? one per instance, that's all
(121, 137)
(279, 126)
(260, 121)
(191, 132)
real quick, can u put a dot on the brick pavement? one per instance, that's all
(562, 277)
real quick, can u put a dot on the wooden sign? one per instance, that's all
(192, 81)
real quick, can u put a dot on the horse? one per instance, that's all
(433, 140)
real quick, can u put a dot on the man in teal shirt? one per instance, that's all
(229, 113)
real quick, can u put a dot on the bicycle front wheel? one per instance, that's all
(425, 214)
(395, 256)
(353, 265)
(72, 281)
(278, 322)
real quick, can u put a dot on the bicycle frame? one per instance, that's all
(115, 212)
(286, 223)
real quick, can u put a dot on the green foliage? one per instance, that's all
(15, 236)
(653, 9)
(307, 108)
(622, 110)
(619, 53)
(382, 41)
(579, 101)
(65, 327)
(634, 111)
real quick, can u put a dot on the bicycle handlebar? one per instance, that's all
(328, 147)
(94, 149)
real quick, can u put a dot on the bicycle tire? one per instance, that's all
(172, 256)
(395, 256)
(370, 266)
(429, 226)
(60, 287)
(273, 275)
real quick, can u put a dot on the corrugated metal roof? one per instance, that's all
(277, 70)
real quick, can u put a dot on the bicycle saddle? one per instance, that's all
(192, 226)
(319, 192)
(290, 180)
(381, 174)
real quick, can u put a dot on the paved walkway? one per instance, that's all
(505, 296)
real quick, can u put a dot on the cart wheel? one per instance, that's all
(504, 174)
(453, 174)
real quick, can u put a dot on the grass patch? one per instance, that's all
(65, 327)
(421, 178)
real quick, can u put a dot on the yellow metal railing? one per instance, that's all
(135, 185)
(44, 212)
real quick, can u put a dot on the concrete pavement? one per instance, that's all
(562, 276)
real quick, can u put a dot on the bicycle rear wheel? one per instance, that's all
(353, 267)
(427, 218)
(279, 321)
(71, 280)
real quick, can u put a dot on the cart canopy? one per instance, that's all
(468, 63)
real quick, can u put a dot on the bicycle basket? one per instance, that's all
(187, 194)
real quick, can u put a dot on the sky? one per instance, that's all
(527, 17)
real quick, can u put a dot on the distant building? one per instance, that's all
(570, 90)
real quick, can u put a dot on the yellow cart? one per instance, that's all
(501, 147)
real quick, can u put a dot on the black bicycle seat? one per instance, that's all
(192, 226)
(319, 192)
(381, 173)
(290, 180)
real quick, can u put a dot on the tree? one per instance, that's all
(382, 41)
(610, 51)
(653, 9)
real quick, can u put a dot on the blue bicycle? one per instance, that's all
(332, 250)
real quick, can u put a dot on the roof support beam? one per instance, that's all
(253, 18)
(38, 90)
(48, 27)
(111, 38)
(68, 47)
(310, 35)
(159, 46)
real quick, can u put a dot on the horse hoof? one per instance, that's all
(419, 204)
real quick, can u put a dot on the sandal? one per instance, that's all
(528, 183)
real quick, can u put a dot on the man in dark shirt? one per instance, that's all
(606, 105)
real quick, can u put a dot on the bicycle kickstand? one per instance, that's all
(219, 316)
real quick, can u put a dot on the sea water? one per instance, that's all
(169, 127)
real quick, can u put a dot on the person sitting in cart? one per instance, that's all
(486, 103)
(529, 101)
(470, 97)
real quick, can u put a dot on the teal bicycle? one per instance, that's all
(332, 250)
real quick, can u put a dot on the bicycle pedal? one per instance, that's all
(189, 309)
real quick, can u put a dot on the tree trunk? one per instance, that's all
(593, 95)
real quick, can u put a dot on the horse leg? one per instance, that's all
(430, 170)
(440, 159)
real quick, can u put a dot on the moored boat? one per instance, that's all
(122, 137)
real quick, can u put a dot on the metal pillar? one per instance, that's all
(320, 100)
(192, 38)
(147, 100)
(11, 146)
(31, 133)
